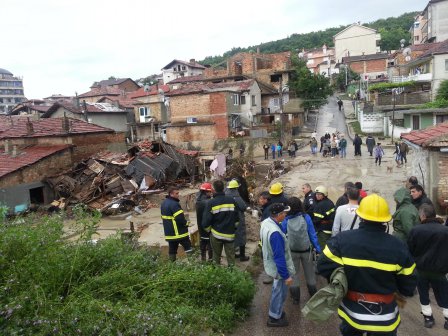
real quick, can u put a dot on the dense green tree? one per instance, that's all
(342, 79)
(442, 92)
(311, 88)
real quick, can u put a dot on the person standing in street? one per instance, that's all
(428, 245)
(346, 217)
(370, 142)
(220, 217)
(357, 142)
(240, 233)
(377, 265)
(343, 147)
(309, 199)
(404, 150)
(378, 152)
(205, 193)
(302, 239)
(343, 199)
(277, 262)
(323, 215)
(313, 145)
(406, 215)
(340, 104)
(175, 224)
(322, 142)
(266, 151)
(242, 149)
(273, 148)
(279, 150)
(397, 155)
(419, 196)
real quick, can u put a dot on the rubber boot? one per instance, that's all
(295, 294)
(210, 252)
(172, 257)
(243, 256)
(312, 290)
(203, 247)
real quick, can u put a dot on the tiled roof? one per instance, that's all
(110, 82)
(153, 90)
(212, 87)
(192, 65)
(102, 91)
(440, 48)
(434, 136)
(16, 127)
(369, 57)
(26, 157)
(424, 46)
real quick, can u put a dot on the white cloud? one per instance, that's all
(63, 47)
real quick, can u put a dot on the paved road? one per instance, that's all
(334, 173)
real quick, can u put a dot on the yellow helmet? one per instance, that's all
(322, 190)
(276, 189)
(233, 184)
(374, 208)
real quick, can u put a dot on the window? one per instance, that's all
(242, 99)
(446, 65)
(415, 122)
(416, 24)
(191, 120)
(441, 119)
(276, 102)
(416, 38)
(183, 67)
(144, 114)
(254, 102)
(236, 99)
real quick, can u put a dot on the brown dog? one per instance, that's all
(389, 169)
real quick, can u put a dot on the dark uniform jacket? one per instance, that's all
(428, 245)
(201, 200)
(175, 225)
(323, 215)
(374, 262)
(423, 199)
(280, 198)
(308, 203)
(220, 217)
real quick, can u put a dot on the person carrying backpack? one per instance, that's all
(302, 238)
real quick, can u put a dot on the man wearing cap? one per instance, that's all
(277, 262)
(379, 268)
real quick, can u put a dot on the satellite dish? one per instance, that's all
(407, 58)
(407, 51)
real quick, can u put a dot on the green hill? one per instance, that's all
(392, 30)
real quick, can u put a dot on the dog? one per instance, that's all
(389, 169)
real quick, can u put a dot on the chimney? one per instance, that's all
(192, 61)
(258, 50)
(14, 151)
(29, 127)
(65, 124)
(324, 49)
(7, 146)
(86, 114)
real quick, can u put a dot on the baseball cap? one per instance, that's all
(276, 208)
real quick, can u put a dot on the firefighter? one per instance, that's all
(323, 215)
(376, 265)
(205, 193)
(175, 225)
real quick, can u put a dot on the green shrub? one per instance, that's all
(50, 286)
(382, 87)
(438, 103)
(442, 91)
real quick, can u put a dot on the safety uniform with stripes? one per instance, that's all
(377, 265)
(323, 215)
(220, 217)
(175, 225)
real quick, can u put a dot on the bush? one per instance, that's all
(442, 92)
(52, 286)
(383, 87)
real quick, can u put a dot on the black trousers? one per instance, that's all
(266, 155)
(347, 330)
(439, 285)
(174, 245)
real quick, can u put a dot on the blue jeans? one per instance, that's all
(278, 297)
(343, 152)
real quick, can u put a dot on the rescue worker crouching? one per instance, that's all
(175, 225)
(323, 215)
(376, 265)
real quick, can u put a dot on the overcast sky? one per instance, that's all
(61, 46)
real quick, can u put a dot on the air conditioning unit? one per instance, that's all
(191, 120)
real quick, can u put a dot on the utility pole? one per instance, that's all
(393, 114)
(281, 108)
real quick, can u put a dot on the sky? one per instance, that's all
(62, 47)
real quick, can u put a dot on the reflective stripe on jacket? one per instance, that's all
(323, 215)
(175, 225)
(220, 217)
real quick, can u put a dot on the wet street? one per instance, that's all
(333, 173)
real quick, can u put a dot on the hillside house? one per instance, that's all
(178, 69)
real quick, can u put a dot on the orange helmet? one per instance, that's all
(206, 186)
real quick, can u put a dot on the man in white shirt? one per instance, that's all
(345, 214)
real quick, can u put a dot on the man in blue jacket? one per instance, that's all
(175, 225)
(277, 263)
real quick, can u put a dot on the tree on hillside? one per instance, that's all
(342, 79)
(311, 88)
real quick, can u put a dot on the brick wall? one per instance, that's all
(51, 165)
(87, 145)
(369, 66)
(194, 105)
(442, 186)
(404, 98)
(193, 136)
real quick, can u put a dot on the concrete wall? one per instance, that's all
(371, 122)
(194, 136)
(19, 195)
(426, 120)
(439, 21)
(170, 74)
(405, 98)
(439, 72)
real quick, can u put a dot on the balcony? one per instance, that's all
(426, 77)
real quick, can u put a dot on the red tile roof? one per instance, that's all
(152, 90)
(440, 48)
(16, 127)
(102, 91)
(434, 136)
(192, 65)
(26, 157)
(187, 79)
